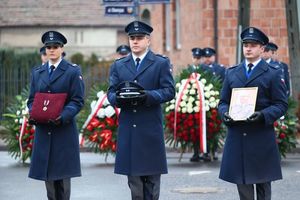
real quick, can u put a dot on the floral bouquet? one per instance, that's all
(100, 126)
(193, 115)
(285, 128)
(20, 135)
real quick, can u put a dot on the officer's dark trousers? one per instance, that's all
(58, 189)
(144, 187)
(263, 191)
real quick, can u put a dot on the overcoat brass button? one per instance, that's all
(134, 125)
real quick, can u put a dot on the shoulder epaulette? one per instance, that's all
(232, 67)
(275, 66)
(120, 58)
(162, 56)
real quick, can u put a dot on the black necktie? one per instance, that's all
(250, 65)
(137, 63)
(52, 67)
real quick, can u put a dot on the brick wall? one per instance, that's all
(197, 28)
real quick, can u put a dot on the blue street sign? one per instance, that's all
(117, 1)
(119, 10)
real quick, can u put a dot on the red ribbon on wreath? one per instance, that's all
(202, 118)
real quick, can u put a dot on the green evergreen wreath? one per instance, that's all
(13, 120)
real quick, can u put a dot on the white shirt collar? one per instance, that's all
(254, 63)
(268, 60)
(141, 57)
(55, 64)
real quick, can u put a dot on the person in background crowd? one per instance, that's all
(196, 57)
(209, 63)
(55, 156)
(43, 54)
(123, 50)
(270, 56)
(251, 156)
(140, 153)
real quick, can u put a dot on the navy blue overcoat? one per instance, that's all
(251, 153)
(56, 149)
(140, 145)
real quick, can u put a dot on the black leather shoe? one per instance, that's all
(195, 158)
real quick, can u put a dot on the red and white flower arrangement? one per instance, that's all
(20, 134)
(100, 128)
(193, 114)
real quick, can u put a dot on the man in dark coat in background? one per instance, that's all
(271, 57)
(140, 148)
(55, 157)
(209, 63)
(251, 154)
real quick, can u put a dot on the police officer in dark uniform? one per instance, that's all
(147, 78)
(251, 156)
(43, 54)
(196, 57)
(209, 63)
(270, 56)
(123, 50)
(55, 157)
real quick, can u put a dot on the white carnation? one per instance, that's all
(217, 93)
(192, 91)
(206, 108)
(183, 110)
(212, 99)
(207, 94)
(93, 104)
(212, 93)
(101, 113)
(24, 112)
(167, 109)
(206, 88)
(213, 104)
(173, 101)
(100, 94)
(109, 111)
(189, 105)
(18, 112)
(203, 81)
(16, 121)
(178, 85)
(196, 109)
(182, 104)
(172, 107)
(210, 86)
(206, 102)
(190, 110)
(197, 103)
(191, 99)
